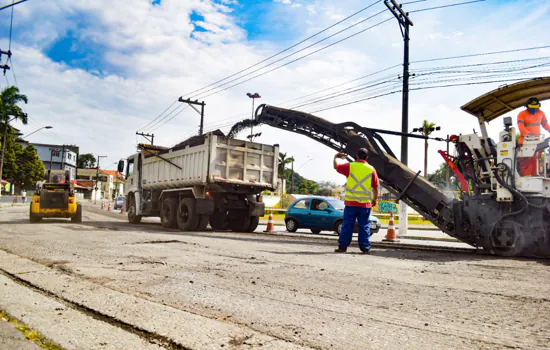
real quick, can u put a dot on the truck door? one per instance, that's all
(132, 175)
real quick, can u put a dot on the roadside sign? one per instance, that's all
(387, 207)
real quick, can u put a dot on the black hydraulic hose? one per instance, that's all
(513, 191)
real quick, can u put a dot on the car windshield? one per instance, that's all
(337, 204)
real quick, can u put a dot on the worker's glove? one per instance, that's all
(374, 202)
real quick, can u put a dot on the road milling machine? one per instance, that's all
(498, 209)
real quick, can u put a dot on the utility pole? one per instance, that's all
(97, 176)
(148, 137)
(193, 104)
(404, 24)
(292, 178)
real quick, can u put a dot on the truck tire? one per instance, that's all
(168, 215)
(32, 217)
(187, 218)
(78, 215)
(254, 222)
(239, 223)
(219, 221)
(132, 217)
(203, 223)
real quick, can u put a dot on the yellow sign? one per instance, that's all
(504, 152)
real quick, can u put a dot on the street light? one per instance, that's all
(44, 127)
(253, 97)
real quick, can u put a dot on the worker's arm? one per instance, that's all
(375, 182)
(521, 125)
(336, 156)
(544, 122)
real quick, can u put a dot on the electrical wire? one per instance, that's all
(288, 48)
(11, 26)
(444, 6)
(200, 96)
(300, 58)
(143, 127)
(173, 116)
(481, 54)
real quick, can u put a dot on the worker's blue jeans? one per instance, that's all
(362, 216)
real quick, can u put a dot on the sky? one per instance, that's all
(98, 71)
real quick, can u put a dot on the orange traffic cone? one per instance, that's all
(391, 236)
(102, 204)
(110, 208)
(270, 226)
(122, 210)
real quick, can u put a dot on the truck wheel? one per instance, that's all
(169, 213)
(239, 223)
(186, 218)
(203, 222)
(78, 216)
(132, 217)
(254, 221)
(219, 221)
(32, 217)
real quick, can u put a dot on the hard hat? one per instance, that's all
(533, 102)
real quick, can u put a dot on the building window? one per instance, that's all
(70, 156)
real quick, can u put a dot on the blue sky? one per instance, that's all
(109, 68)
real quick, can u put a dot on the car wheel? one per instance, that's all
(291, 225)
(338, 227)
(316, 231)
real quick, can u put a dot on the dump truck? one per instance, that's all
(498, 210)
(208, 178)
(55, 197)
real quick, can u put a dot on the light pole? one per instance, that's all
(44, 127)
(253, 97)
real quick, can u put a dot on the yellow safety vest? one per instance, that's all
(359, 184)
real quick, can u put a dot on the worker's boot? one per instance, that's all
(340, 250)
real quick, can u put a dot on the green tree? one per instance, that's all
(86, 160)
(283, 162)
(438, 178)
(427, 129)
(9, 110)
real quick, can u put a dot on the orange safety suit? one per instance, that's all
(530, 124)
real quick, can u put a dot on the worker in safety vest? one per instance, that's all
(361, 195)
(529, 122)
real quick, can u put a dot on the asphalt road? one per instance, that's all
(140, 286)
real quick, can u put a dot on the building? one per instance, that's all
(57, 157)
(102, 184)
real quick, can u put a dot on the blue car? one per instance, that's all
(321, 214)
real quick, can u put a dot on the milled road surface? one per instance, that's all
(223, 290)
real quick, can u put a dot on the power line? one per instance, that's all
(287, 49)
(299, 58)
(450, 5)
(481, 54)
(175, 115)
(287, 56)
(173, 103)
(155, 125)
(361, 100)
(13, 72)
(11, 25)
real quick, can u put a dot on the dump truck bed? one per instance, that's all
(211, 159)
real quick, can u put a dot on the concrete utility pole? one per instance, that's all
(97, 175)
(404, 24)
(146, 136)
(193, 104)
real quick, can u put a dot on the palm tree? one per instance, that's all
(427, 129)
(9, 98)
(283, 161)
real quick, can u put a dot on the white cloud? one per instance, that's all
(159, 60)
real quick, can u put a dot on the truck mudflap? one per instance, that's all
(257, 209)
(204, 206)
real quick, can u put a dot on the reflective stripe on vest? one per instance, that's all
(358, 187)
